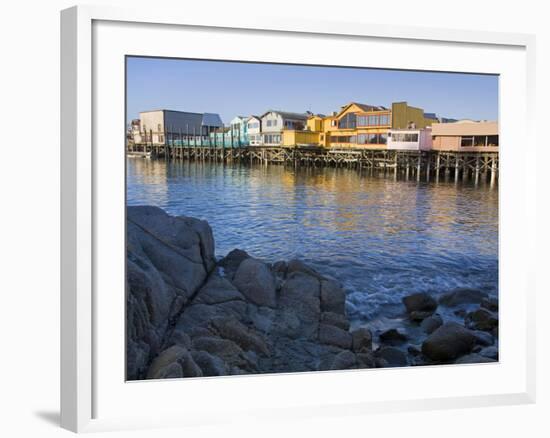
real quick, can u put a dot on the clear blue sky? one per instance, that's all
(233, 88)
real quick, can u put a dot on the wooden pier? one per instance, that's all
(458, 165)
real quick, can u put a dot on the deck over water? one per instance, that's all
(475, 165)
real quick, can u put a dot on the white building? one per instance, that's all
(254, 129)
(273, 123)
(410, 139)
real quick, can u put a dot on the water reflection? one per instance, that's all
(381, 236)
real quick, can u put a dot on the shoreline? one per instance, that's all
(191, 315)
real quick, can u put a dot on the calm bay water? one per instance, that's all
(381, 237)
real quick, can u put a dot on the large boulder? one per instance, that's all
(448, 342)
(256, 282)
(300, 295)
(168, 260)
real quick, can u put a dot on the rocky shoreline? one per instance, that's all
(190, 315)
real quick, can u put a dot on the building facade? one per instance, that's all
(465, 136)
(274, 122)
(358, 126)
(160, 127)
(239, 130)
(254, 129)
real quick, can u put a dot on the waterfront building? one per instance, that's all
(358, 125)
(239, 131)
(254, 129)
(410, 139)
(274, 122)
(161, 127)
(466, 136)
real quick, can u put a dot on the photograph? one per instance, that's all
(286, 218)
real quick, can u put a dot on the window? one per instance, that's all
(492, 140)
(382, 138)
(333, 123)
(348, 121)
(373, 120)
(384, 119)
(479, 140)
(344, 139)
(466, 141)
(403, 137)
(159, 127)
(361, 120)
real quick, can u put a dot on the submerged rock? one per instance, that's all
(481, 319)
(419, 305)
(462, 296)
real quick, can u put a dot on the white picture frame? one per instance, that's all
(90, 401)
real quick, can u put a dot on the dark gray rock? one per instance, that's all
(332, 335)
(168, 260)
(429, 325)
(483, 338)
(300, 295)
(244, 337)
(490, 303)
(392, 337)
(256, 282)
(462, 296)
(448, 342)
(333, 297)
(392, 356)
(227, 350)
(344, 361)
(209, 364)
(490, 352)
(366, 359)
(422, 304)
(164, 364)
(473, 358)
(335, 319)
(231, 262)
(481, 319)
(361, 340)
(296, 265)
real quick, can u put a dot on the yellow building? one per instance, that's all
(357, 125)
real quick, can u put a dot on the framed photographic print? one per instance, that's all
(257, 209)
